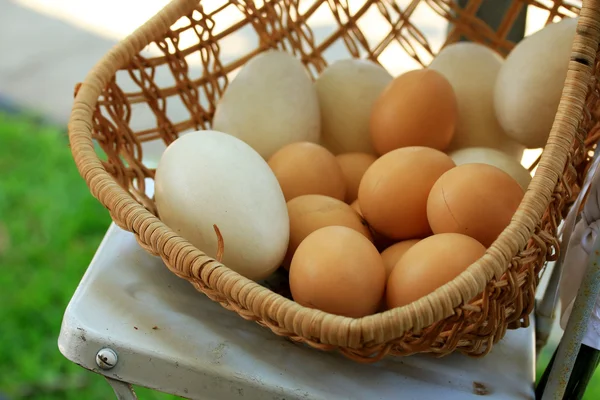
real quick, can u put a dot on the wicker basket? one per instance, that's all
(107, 104)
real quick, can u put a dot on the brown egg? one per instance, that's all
(356, 207)
(380, 241)
(477, 200)
(313, 211)
(418, 108)
(339, 271)
(392, 254)
(308, 168)
(393, 192)
(429, 264)
(353, 167)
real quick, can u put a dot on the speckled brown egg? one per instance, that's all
(353, 167)
(477, 200)
(418, 108)
(393, 192)
(312, 211)
(339, 271)
(308, 168)
(429, 264)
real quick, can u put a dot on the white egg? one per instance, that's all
(472, 70)
(271, 102)
(347, 90)
(530, 83)
(208, 178)
(483, 155)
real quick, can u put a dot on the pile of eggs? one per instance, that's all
(371, 190)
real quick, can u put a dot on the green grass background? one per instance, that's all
(50, 227)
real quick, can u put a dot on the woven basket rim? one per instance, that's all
(381, 327)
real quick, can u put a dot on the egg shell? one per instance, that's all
(208, 178)
(347, 90)
(472, 69)
(308, 168)
(418, 108)
(392, 254)
(430, 264)
(496, 158)
(312, 211)
(531, 81)
(354, 166)
(380, 241)
(356, 207)
(477, 200)
(339, 271)
(270, 103)
(393, 192)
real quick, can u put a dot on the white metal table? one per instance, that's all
(167, 336)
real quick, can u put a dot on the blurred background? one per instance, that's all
(50, 225)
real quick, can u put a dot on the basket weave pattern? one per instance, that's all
(442, 322)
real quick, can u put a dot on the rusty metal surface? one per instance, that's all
(546, 308)
(576, 327)
(123, 390)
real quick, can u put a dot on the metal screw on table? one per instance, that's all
(106, 358)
